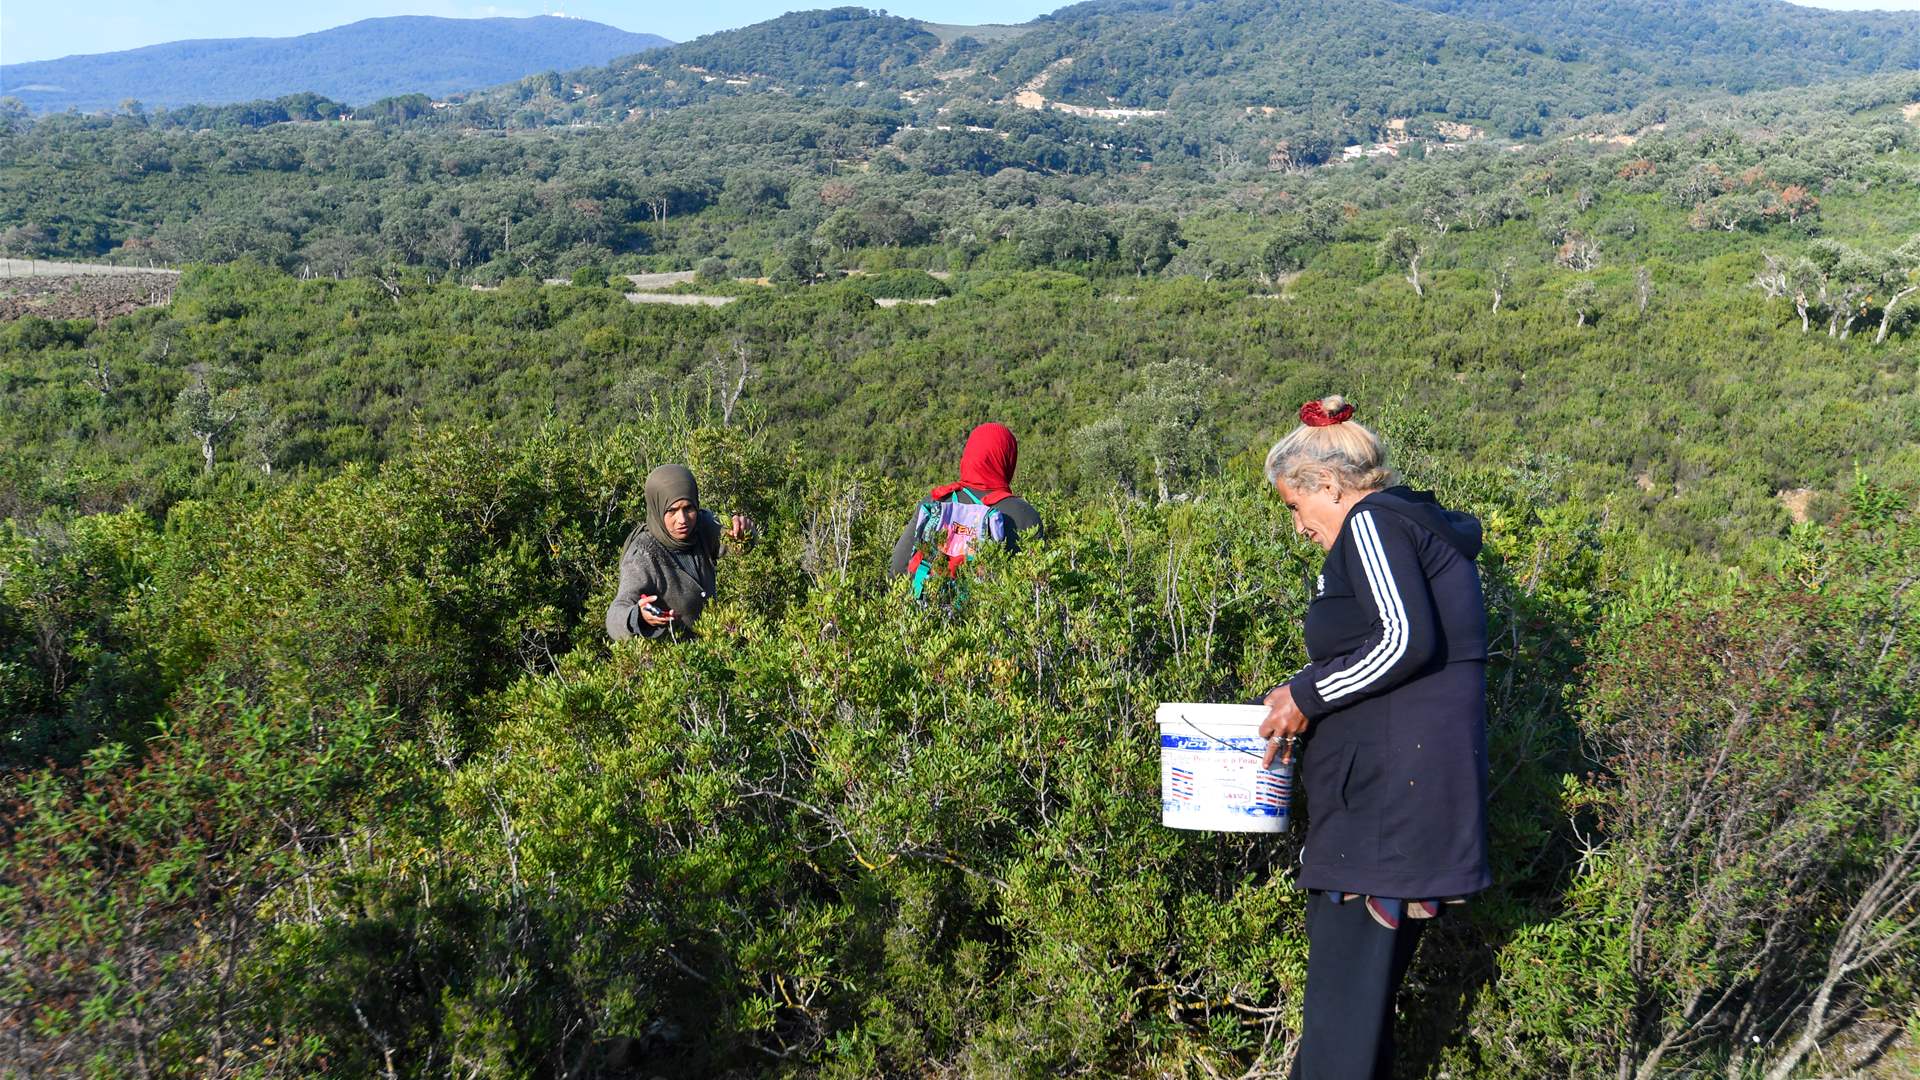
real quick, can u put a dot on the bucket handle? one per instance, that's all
(1216, 738)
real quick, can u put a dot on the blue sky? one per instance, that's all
(41, 30)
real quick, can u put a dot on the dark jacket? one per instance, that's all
(1395, 766)
(1022, 520)
(684, 582)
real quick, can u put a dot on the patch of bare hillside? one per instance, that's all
(90, 296)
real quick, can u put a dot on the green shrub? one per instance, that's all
(422, 812)
(77, 659)
(899, 285)
(144, 890)
(1750, 842)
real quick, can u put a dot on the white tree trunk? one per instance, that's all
(1886, 313)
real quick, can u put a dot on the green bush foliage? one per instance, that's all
(318, 762)
(406, 807)
(899, 285)
(1690, 418)
(1750, 841)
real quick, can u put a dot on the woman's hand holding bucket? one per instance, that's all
(1284, 725)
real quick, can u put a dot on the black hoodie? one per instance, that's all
(1395, 769)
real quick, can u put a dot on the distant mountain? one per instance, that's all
(358, 63)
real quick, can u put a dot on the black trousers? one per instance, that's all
(1354, 968)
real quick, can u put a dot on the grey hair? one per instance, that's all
(1346, 455)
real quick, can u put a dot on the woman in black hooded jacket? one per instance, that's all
(1392, 708)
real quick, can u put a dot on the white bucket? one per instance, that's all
(1210, 774)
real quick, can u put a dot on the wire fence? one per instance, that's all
(18, 268)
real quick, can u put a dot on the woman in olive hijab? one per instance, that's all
(667, 568)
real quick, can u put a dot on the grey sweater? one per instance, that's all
(684, 582)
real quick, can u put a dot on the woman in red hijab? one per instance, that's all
(986, 476)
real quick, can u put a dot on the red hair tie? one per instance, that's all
(1314, 414)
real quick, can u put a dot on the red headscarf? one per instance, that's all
(986, 465)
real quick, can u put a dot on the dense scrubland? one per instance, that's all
(370, 788)
(318, 760)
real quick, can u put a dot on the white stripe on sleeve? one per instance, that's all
(1393, 617)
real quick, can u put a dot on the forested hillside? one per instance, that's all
(357, 63)
(1331, 69)
(315, 758)
(741, 184)
(1738, 45)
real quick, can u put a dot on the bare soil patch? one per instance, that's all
(1798, 502)
(661, 281)
(683, 299)
(83, 296)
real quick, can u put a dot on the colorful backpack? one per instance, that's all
(948, 532)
